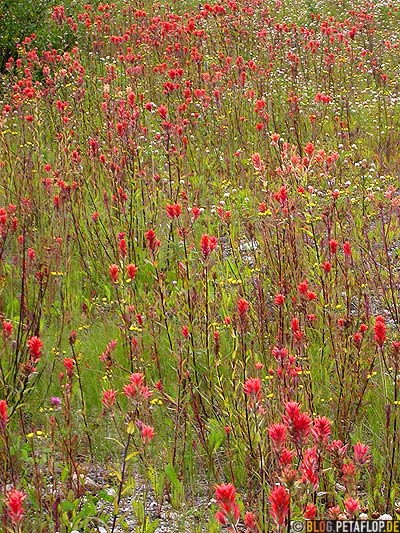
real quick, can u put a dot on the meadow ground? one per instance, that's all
(199, 264)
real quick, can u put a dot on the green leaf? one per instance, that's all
(131, 456)
(24, 454)
(88, 509)
(129, 486)
(67, 506)
(103, 494)
(151, 525)
(64, 474)
(216, 436)
(116, 507)
(176, 485)
(138, 509)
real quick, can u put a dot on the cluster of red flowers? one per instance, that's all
(296, 428)
(279, 500)
(136, 389)
(147, 432)
(152, 242)
(14, 502)
(380, 330)
(228, 510)
(252, 389)
(35, 348)
(138, 155)
(207, 245)
(109, 398)
(173, 210)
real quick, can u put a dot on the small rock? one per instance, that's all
(385, 516)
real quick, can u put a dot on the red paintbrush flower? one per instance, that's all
(279, 500)
(14, 503)
(35, 348)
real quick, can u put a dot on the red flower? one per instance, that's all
(147, 433)
(337, 449)
(225, 493)
(298, 423)
(309, 149)
(252, 388)
(122, 247)
(281, 196)
(396, 348)
(297, 332)
(348, 473)
(131, 271)
(250, 521)
(114, 272)
(309, 468)
(279, 299)
(173, 210)
(14, 503)
(162, 111)
(3, 414)
(259, 105)
(334, 513)
(257, 161)
(136, 389)
(130, 391)
(69, 365)
(310, 512)
(279, 500)
(333, 246)
(152, 242)
(207, 245)
(228, 512)
(220, 516)
(242, 307)
(326, 267)
(321, 430)
(302, 427)
(357, 338)
(35, 348)
(295, 325)
(286, 457)
(108, 398)
(380, 330)
(277, 434)
(145, 392)
(7, 329)
(361, 453)
(137, 379)
(292, 410)
(352, 505)
(280, 353)
(303, 287)
(195, 212)
(72, 337)
(347, 248)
